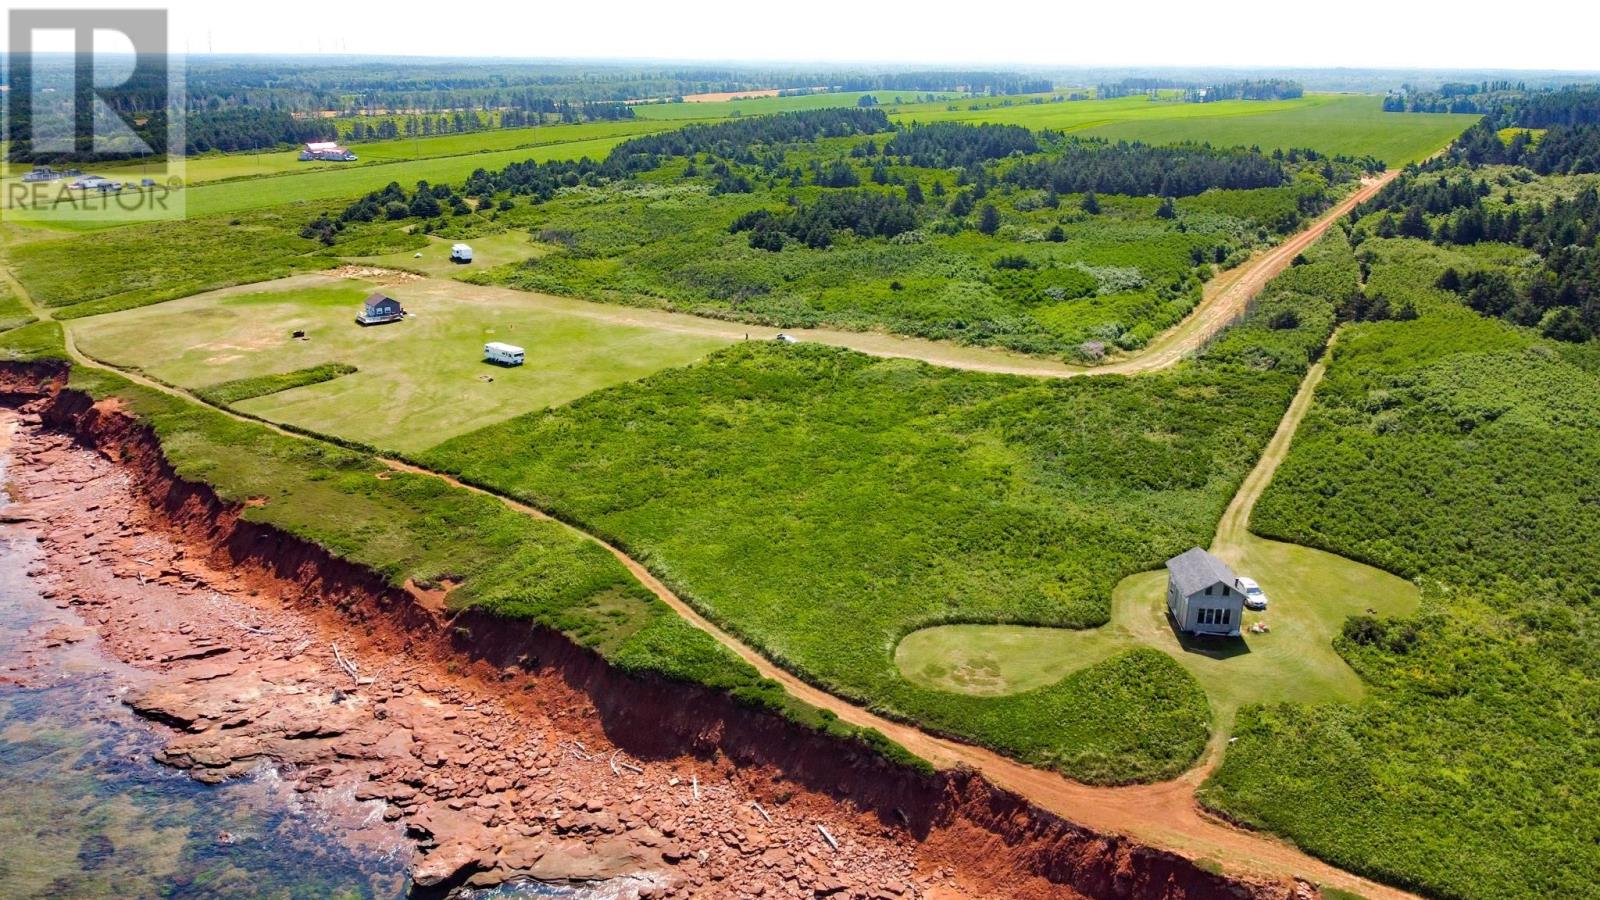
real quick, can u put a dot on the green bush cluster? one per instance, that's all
(1463, 452)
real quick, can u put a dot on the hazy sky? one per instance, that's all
(1536, 34)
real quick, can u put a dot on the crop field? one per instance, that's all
(417, 382)
(760, 106)
(1461, 451)
(334, 184)
(227, 166)
(1352, 125)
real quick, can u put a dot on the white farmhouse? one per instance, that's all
(1201, 594)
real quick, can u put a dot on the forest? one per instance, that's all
(1507, 104)
(1450, 201)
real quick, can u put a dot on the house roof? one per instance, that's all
(1195, 570)
(376, 298)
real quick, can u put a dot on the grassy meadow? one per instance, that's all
(1460, 451)
(416, 382)
(212, 167)
(433, 258)
(245, 194)
(13, 312)
(823, 504)
(1073, 275)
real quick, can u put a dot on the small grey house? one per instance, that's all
(1201, 596)
(380, 308)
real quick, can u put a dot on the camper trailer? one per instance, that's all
(502, 354)
(460, 253)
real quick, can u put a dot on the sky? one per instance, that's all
(1532, 34)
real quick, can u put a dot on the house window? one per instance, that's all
(1226, 615)
(1208, 592)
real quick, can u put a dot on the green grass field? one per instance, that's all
(1331, 123)
(419, 381)
(246, 194)
(760, 106)
(13, 313)
(1312, 594)
(488, 251)
(227, 166)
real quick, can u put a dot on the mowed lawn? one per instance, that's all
(418, 382)
(1311, 592)
(1349, 124)
(434, 259)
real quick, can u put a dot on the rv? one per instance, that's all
(460, 253)
(502, 354)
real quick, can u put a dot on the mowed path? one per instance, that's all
(1163, 815)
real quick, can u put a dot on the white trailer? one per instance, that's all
(460, 253)
(503, 354)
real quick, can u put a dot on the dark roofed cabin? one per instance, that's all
(380, 308)
(1203, 595)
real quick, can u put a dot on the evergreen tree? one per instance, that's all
(989, 219)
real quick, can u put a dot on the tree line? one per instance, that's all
(1561, 150)
(1081, 165)
(1198, 92)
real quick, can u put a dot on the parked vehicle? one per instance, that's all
(1254, 596)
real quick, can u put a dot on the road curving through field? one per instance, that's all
(1227, 298)
(1164, 815)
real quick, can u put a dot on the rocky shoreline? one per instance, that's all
(503, 750)
(489, 790)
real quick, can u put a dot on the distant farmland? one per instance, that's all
(1331, 123)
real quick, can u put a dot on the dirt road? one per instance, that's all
(1226, 298)
(1163, 815)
